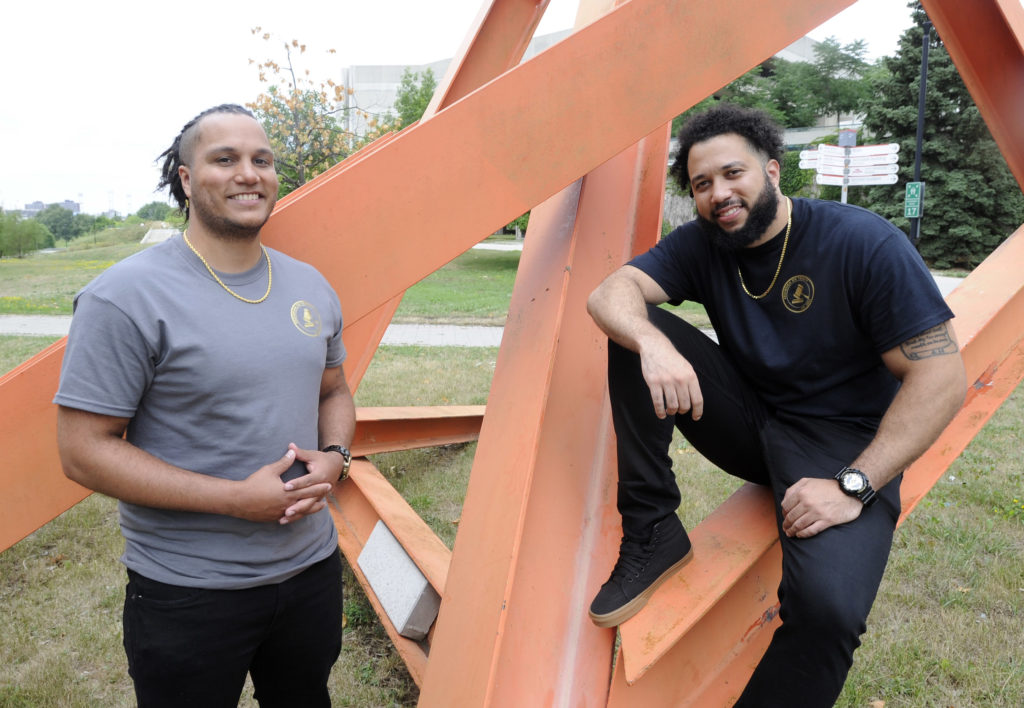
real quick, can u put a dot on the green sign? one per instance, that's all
(913, 204)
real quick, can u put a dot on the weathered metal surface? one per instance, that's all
(539, 529)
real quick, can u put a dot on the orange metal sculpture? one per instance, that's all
(585, 121)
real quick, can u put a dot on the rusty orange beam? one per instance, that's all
(487, 158)
(32, 485)
(673, 628)
(555, 483)
(387, 429)
(496, 41)
(495, 611)
(989, 327)
(989, 323)
(378, 429)
(477, 164)
(498, 622)
(985, 39)
(358, 504)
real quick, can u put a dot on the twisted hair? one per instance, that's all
(180, 153)
(756, 127)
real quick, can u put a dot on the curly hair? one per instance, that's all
(180, 153)
(756, 127)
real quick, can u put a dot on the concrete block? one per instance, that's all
(408, 599)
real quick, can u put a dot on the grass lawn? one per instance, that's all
(945, 630)
(46, 283)
(475, 288)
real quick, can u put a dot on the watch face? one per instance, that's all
(852, 482)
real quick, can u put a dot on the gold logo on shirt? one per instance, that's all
(306, 318)
(797, 293)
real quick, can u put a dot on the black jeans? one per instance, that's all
(829, 581)
(193, 647)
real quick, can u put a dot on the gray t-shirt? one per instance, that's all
(213, 385)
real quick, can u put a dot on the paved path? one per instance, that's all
(396, 334)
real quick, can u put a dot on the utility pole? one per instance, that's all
(914, 203)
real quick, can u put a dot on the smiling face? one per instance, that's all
(736, 191)
(229, 177)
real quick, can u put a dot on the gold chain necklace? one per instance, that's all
(785, 242)
(270, 274)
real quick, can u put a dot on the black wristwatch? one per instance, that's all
(856, 484)
(345, 455)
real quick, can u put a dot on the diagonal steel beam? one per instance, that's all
(985, 39)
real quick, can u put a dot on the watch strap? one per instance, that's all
(867, 495)
(345, 455)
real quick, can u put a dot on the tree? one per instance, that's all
(972, 202)
(837, 80)
(414, 95)
(796, 93)
(59, 221)
(21, 236)
(298, 115)
(154, 211)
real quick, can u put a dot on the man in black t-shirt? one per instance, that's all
(836, 367)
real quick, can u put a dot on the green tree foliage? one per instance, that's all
(19, 237)
(59, 221)
(414, 94)
(793, 180)
(837, 80)
(796, 93)
(155, 211)
(299, 116)
(972, 201)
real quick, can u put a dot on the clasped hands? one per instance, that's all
(266, 497)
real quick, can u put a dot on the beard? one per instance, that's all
(223, 226)
(760, 217)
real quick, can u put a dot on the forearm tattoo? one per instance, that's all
(932, 342)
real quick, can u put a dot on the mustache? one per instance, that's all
(728, 203)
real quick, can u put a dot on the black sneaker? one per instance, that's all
(641, 568)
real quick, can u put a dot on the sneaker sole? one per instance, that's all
(617, 617)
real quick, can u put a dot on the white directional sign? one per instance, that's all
(830, 164)
(860, 151)
(860, 171)
(827, 150)
(884, 149)
(853, 166)
(838, 180)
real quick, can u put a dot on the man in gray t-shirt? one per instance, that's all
(202, 387)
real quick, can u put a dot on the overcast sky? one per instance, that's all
(95, 91)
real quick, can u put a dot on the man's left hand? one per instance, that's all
(320, 467)
(812, 505)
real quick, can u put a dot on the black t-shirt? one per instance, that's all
(851, 287)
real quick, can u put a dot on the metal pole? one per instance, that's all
(915, 223)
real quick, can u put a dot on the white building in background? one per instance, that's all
(374, 88)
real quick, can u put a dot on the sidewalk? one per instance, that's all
(424, 335)
(396, 334)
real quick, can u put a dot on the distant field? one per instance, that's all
(946, 630)
(46, 283)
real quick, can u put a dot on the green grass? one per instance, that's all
(46, 283)
(945, 630)
(475, 288)
(15, 349)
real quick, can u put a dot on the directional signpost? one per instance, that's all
(853, 166)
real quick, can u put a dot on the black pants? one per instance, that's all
(829, 581)
(193, 647)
